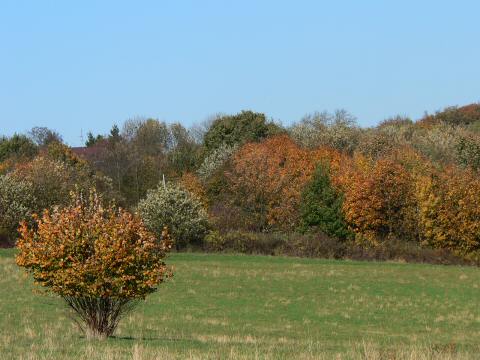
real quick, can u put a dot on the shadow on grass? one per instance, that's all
(145, 338)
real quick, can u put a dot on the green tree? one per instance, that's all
(321, 206)
(114, 132)
(237, 129)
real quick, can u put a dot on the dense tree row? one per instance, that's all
(403, 180)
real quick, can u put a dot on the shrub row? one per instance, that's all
(322, 246)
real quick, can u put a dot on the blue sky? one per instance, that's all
(84, 65)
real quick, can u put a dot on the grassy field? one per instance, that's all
(226, 306)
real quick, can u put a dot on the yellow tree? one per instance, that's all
(449, 210)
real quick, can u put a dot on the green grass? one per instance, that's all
(235, 306)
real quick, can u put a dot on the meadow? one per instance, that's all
(259, 307)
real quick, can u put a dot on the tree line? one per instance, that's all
(402, 181)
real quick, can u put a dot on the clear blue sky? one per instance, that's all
(73, 65)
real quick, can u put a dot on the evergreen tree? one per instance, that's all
(321, 207)
(92, 140)
(115, 132)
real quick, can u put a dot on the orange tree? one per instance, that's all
(379, 199)
(98, 259)
(267, 179)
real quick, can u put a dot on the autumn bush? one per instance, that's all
(176, 208)
(100, 260)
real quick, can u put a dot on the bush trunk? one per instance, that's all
(98, 317)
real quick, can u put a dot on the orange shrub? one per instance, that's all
(97, 259)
